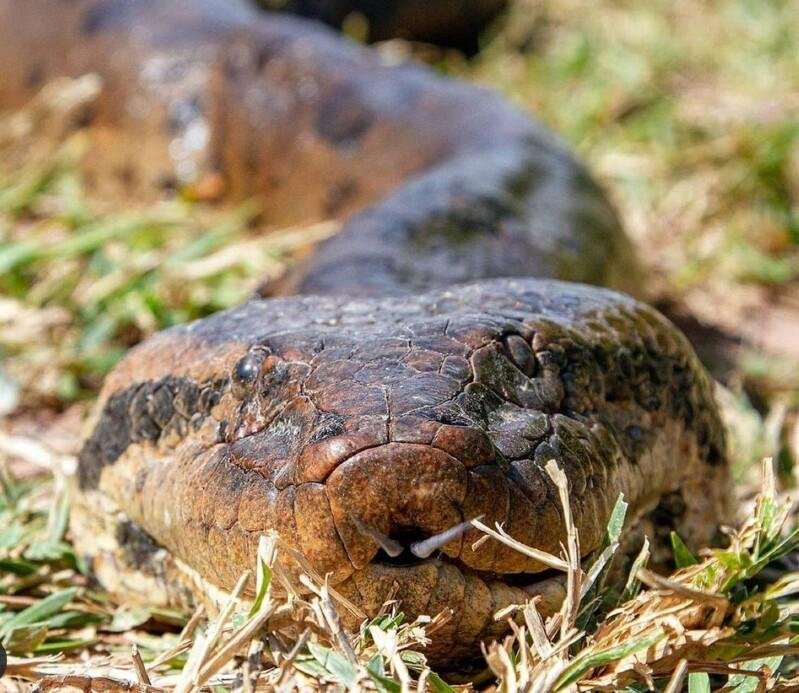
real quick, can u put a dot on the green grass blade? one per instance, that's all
(41, 611)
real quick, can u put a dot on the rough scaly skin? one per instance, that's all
(312, 416)
(397, 399)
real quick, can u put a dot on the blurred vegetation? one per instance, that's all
(689, 111)
(80, 284)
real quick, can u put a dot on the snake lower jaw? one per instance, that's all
(132, 566)
(470, 604)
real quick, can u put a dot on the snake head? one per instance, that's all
(369, 434)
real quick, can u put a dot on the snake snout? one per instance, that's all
(405, 503)
(390, 499)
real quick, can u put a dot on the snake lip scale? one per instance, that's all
(413, 372)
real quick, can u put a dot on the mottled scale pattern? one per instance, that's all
(407, 416)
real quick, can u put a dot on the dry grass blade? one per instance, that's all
(330, 618)
(574, 574)
(184, 640)
(138, 665)
(237, 642)
(673, 587)
(675, 682)
(502, 536)
(538, 662)
(91, 683)
(388, 645)
(683, 623)
(340, 598)
(205, 644)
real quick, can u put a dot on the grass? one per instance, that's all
(688, 113)
(708, 618)
(726, 615)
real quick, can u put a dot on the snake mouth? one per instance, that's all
(408, 560)
(404, 514)
(399, 504)
(475, 603)
(410, 548)
(397, 550)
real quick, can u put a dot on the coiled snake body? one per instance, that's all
(407, 376)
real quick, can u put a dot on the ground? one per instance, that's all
(687, 112)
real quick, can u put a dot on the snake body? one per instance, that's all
(456, 23)
(407, 376)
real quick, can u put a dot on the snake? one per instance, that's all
(478, 314)
(449, 23)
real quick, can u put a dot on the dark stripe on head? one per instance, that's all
(145, 412)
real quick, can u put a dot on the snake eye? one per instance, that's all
(247, 370)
